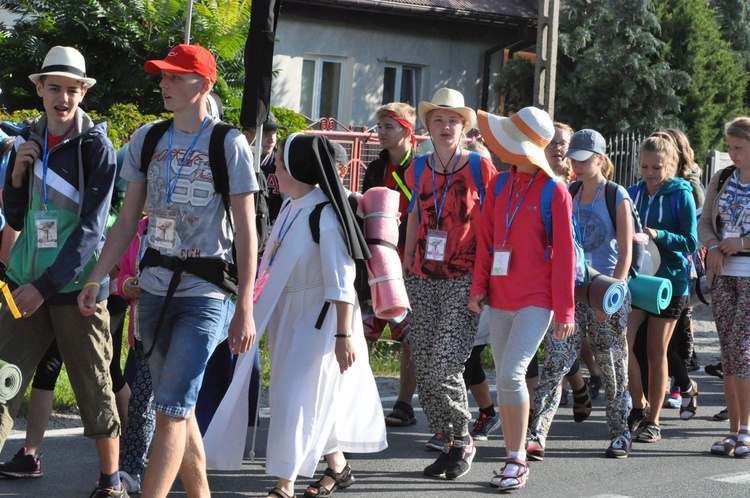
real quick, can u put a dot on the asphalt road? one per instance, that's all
(679, 465)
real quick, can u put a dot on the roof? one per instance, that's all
(487, 10)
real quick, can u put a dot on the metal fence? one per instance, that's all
(622, 149)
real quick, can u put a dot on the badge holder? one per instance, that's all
(501, 261)
(47, 223)
(436, 243)
(165, 233)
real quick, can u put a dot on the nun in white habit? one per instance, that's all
(323, 396)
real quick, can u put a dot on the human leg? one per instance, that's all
(659, 333)
(40, 400)
(588, 358)
(338, 475)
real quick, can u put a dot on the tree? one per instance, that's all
(734, 17)
(116, 37)
(692, 34)
(611, 75)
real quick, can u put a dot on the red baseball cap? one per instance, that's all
(184, 59)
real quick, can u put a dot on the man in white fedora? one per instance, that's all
(57, 196)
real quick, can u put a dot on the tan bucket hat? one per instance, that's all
(447, 98)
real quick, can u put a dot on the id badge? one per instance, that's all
(732, 232)
(260, 284)
(501, 261)
(46, 229)
(589, 259)
(165, 233)
(436, 242)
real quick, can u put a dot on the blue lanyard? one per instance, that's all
(735, 212)
(648, 206)
(591, 209)
(282, 235)
(509, 220)
(445, 190)
(172, 184)
(45, 162)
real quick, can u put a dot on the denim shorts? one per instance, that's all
(191, 330)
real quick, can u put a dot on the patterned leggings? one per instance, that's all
(731, 302)
(443, 330)
(141, 417)
(610, 346)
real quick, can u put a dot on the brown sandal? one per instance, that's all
(279, 493)
(342, 480)
(725, 446)
(742, 446)
(581, 403)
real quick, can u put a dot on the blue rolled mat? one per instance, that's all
(650, 293)
(601, 292)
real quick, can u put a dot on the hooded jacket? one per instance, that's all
(676, 233)
(80, 179)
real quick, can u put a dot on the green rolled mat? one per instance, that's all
(10, 381)
(650, 293)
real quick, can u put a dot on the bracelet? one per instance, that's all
(89, 284)
(342, 336)
(129, 279)
(715, 246)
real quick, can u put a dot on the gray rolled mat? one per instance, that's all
(10, 381)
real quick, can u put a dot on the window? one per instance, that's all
(321, 88)
(401, 83)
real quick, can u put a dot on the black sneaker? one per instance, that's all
(21, 466)
(110, 493)
(460, 459)
(437, 468)
(620, 447)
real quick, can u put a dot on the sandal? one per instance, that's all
(638, 416)
(742, 449)
(725, 446)
(687, 411)
(342, 480)
(518, 479)
(651, 433)
(402, 415)
(279, 493)
(582, 403)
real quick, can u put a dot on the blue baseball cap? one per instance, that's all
(586, 143)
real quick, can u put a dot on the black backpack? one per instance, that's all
(610, 197)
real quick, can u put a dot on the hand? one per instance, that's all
(476, 303)
(345, 353)
(730, 246)
(715, 260)
(131, 289)
(241, 331)
(28, 299)
(87, 300)
(564, 330)
(650, 232)
(27, 153)
(600, 316)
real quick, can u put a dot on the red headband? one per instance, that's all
(405, 123)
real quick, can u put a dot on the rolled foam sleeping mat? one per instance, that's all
(650, 293)
(602, 292)
(10, 381)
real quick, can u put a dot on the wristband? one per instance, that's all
(129, 279)
(342, 336)
(715, 246)
(89, 284)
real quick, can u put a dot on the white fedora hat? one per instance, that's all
(452, 100)
(64, 61)
(519, 139)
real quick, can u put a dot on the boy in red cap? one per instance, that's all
(181, 314)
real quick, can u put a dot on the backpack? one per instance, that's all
(262, 212)
(361, 284)
(548, 190)
(610, 198)
(475, 166)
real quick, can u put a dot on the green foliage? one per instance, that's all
(291, 120)
(717, 82)
(734, 17)
(610, 75)
(516, 84)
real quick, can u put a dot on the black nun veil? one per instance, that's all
(309, 159)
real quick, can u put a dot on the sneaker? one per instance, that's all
(595, 383)
(484, 425)
(715, 370)
(435, 442)
(620, 447)
(109, 493)
(437, 468)
(674, 400)
(22, 466)
(460, 457)
(131, 484)
(535, 448)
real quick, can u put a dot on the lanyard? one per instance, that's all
(648, 206)
(172, 184)
(45, 161)
(736, 209)
(282, 235)
(400, 165)
(591, 209)
(445, 190)
(509, 220)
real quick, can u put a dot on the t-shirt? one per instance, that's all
(734, 210)
(598, 235)
(275, 198)
(193, 224)
(460, 209)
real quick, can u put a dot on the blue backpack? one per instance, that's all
(475, 166)
(548, 191)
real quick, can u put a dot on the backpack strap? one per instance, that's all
(475, 166)
(419, 164)
(548, 191)
(724, 176)
(151, 140)
(610, 197)
(217, 160)
(500, 182)
(314, 221)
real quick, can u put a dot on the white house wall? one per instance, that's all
(446, 62)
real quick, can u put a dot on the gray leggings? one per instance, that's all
(515, 337)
